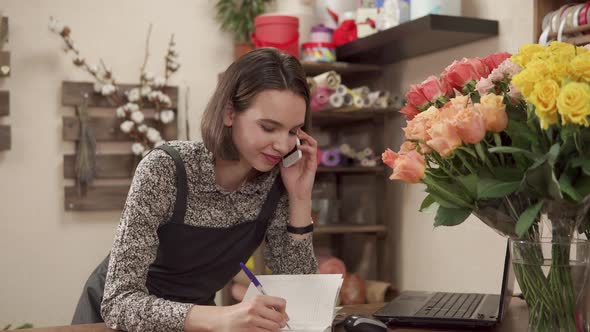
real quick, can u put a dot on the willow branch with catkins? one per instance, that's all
(130, 103)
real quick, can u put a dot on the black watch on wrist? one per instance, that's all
(300, 230)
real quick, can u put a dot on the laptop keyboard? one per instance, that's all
(450, 305)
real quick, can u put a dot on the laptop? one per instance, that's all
(450, 310)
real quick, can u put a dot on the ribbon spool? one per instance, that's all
(336, 100)
(329, 79)
(331, 157)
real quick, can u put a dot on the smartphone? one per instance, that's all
(294, 156)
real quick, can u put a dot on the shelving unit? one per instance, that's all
(363, 63)
(424, 35)
(571, 35)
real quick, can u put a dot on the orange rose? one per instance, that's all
(409, 167)
(389, 157)
(494, 112)
(445, 138)
(470, 126)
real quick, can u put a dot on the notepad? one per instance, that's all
(311, 298)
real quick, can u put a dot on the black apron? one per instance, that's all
(192, 262)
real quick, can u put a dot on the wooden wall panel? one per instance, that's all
(72, 93)
(107, 129)
(108, 166)
(5, 141)
(98, 198)
(4, 103)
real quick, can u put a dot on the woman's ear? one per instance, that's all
(228, 115)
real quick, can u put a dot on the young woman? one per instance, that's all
(195, 210)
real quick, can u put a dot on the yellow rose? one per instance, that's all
(579, 68)
(559, 71)
(562, 51)
(544, 97)
(526, 53)
(526, 79)
(573, 103)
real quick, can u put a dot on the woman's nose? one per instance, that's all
(284, 144)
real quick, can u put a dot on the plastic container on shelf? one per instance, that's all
(278, 31)
(318, 52)
(321, 34)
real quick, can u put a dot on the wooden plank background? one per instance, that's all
(5, 61)
(72, 93)
(4, 28)
(108, 166)
(5, 141)
(4, 103)
(97, 198)
(107, 129)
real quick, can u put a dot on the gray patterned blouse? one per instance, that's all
(127, 305)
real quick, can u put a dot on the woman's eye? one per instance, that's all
(267, 129)
(293, 133)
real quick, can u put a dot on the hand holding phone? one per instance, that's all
(294, 156)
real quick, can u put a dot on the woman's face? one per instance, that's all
(266, 131)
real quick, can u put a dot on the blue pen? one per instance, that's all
(256, 283)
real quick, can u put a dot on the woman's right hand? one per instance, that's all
(253, 315)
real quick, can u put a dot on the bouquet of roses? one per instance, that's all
(507, 138)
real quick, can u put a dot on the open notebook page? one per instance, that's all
(310, 298)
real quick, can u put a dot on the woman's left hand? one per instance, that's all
(299, 178)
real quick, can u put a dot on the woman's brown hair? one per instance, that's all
(257, 71)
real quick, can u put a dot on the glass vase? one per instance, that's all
(553, 277)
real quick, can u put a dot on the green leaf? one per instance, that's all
(428, 203)
(450, 217)
(582, 186)
(509, 149)
(444, 191)
(527, 218)
(469, 182)
(565, 182)
(541, 179)
(553, 153)
(583, 162)
(507, 174)
(520, 134)
(493, 188)
(441, 201)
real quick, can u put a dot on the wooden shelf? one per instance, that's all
(342, 68)
(424, 35)
(347, 229)
(5, 63)
(4, 103)
(5, 142)
(351, 169)
(340, 117)
(107, 129)
(97, 198)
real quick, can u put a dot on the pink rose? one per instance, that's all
(409, 111)
(409, 167)
(445, 138)
(389, 157)
(433, 87)
(470, 126)
(492, 61)
(462, 72)
(494, 112)
(513, 92)
(484, 85)
(415, 97)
